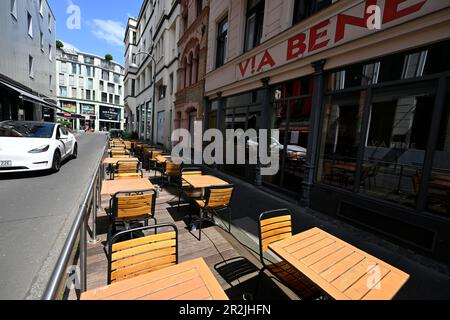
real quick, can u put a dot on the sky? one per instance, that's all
(94, 26)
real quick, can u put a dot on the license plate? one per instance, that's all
(5, 163)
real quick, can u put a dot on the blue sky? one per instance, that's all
(100, 29)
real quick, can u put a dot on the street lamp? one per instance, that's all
(135, 66)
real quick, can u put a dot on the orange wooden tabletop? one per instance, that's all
(162, 159)
(115, 160)
(200, 182)
(191, 280)
(339, 269)
(111, 187)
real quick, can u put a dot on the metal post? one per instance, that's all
(94, 208)
(83, 255)
(265, 116)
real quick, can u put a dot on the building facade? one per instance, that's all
(151, 56)
(189, 104)
(27, 64)
(362, 109)
(90, 91)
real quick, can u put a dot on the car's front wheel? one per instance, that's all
(75, 152)
(56, 165)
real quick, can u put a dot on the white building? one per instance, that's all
(151, 77)
(27, 61)
(90, 90)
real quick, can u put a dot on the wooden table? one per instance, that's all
(111, 161)
(162, 159)
(191, 280)
(201, 182)
(111, 187)
(339, 269)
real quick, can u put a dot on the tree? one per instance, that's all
(59, 44)
(108, 57)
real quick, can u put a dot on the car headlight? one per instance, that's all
(40, 149)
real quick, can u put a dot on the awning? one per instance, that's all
(28, 96)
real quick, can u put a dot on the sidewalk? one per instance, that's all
(429, 279)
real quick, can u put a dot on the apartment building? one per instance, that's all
(360, 98)
(27, 63)
(90, 91)
(151, 56)
(189, 104)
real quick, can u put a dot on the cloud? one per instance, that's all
(111, 31)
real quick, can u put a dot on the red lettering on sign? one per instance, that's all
(243, 68)
(343, 20)
(266, 60)
(316, 33)
(296, 46)
(392, 13)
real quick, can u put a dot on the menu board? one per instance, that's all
(109, 113)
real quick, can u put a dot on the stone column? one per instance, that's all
(314, 131)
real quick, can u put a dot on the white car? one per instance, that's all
(32, 146)
(291, 149)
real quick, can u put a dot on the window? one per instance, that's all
(162, 92)
(105, 75)
(49, 22)
(104, 97)
(63, 67)
(74, 68)
(31, 66)
(81, 82)
(93, 95)
(133, 87)
(116, 78)
(63, 91)
(111, 88)
(254, 23)
(199, 7)
(50, 52)
(30, 25)
(90, 84)
(117, 99)
(171, 83)
(222, 39)
(74, 93)
(71, 80)
(120, 90)
(88, 71)
(41, 8)
(88, 94)
(306, 8)
(61, 79)
(41, 40)
(14, 8)
(102, 86)
(111, 98)
(50, 83)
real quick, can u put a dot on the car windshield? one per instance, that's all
(26, 129)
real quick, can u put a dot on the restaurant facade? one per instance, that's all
(360, 96)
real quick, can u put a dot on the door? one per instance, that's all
(160, 128)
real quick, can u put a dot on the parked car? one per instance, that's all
(32, 146)
(291, 149)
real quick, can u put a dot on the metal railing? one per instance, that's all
(80, 229)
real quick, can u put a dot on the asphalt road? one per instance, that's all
(36, 212)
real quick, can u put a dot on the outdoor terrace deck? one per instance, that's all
(234, 265)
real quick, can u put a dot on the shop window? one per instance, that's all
(438, 200)
(222, 39)
(340, 138)
(254, 23)
(306, 8)
(395, 150)
(293, 102)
